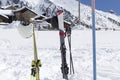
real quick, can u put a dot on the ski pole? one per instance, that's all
(68, 31)
(94, 40)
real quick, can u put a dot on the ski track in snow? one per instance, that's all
(16, 55)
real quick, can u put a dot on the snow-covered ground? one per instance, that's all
(16, 54)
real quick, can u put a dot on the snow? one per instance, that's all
(6, 12)
(85, 14)
(41, 16)
(4, 7)
(23, 9)
(16, 54)
(4, 16)
(3, 2)
(32, 2)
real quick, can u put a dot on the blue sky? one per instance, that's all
(105, 5)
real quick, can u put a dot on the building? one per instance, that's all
(24, 14)
(43, 25)
(7, 14)
(4, 18)
(40, 17)
(54, 22)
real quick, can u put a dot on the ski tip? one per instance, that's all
(59, 12)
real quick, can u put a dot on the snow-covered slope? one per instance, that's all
(16, 54)
(103, 19)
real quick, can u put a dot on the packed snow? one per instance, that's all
(16, 54)
(6, 12)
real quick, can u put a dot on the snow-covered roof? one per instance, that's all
(4, 16)
(19, 9)
(6, 12)
(38, 16)
(8, 6)
(67, 22)
(24, 8)
(3, 23)
(4, 7)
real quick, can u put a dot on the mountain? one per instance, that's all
(104, 20)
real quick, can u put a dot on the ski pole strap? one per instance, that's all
(62, 34)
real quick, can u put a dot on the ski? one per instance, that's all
(36, 63)
(27, 31)
(62, 34)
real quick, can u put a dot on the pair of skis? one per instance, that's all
(62, 33)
